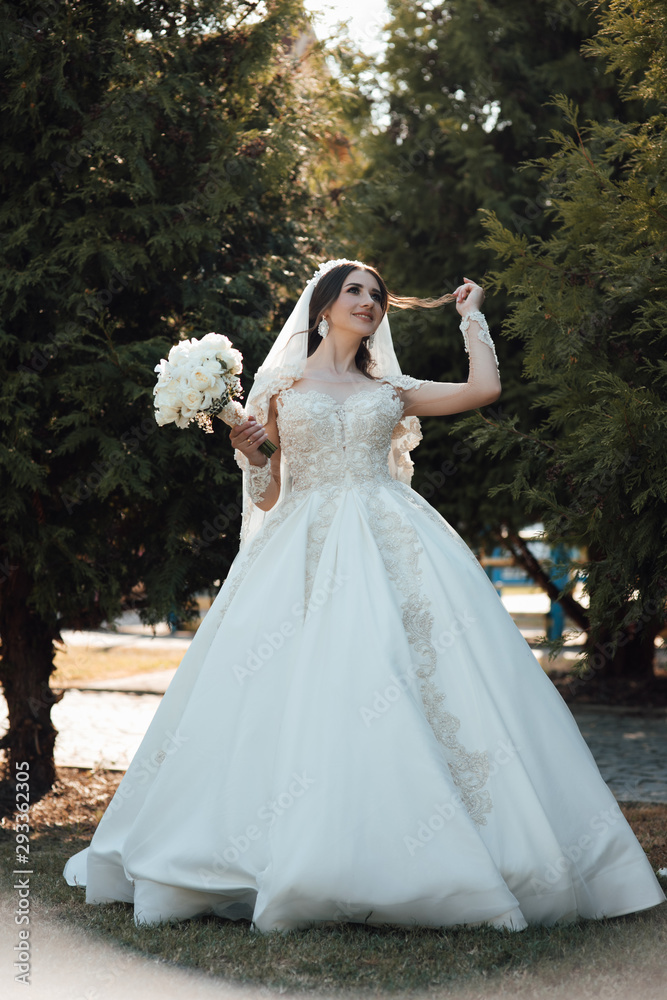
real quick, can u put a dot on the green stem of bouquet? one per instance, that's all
(267, 448)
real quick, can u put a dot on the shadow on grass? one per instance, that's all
(336, 957)
(8, 797)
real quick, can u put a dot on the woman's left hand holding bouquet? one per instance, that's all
(199, 380)
(248, 437)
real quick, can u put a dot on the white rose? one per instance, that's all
(201, 378)
(165, 381)
(183, 373)
(168, 394)
(197, 355)
(180, 353)
(162, 381)
(166, 415)
(232, 360)
(191, 400)
(208, 396)
(163, 368)
(216, 342)
(213, 366)
(180, 375)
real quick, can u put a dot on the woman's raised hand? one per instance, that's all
(247, 437)
(469, 296)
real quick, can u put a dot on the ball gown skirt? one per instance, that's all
(358, 731)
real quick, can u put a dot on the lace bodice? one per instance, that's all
(365, 438)
(327, 443)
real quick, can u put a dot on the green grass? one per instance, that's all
(346, 958)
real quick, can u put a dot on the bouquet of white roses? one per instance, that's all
(198, 380)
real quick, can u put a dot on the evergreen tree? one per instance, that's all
(153, 188)
(467, 87)
(589, 312)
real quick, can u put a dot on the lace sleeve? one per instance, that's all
(256, 480)
(257, 477)
(436, 399)
(482, 334)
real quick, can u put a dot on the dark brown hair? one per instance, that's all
(329, 287)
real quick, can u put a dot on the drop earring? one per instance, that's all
(323, 328)
(370, 341)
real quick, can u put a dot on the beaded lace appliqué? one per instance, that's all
(482, 334)
(403, 381)
(332, 447)
(268, 383)
(259, 480)
(401, 549)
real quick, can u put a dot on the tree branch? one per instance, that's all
(525, 558)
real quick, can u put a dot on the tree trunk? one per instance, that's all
(630, 664)
(25, 667)
(524, 558)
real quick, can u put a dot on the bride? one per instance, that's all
(358, 731)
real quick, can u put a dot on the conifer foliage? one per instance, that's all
(589, 310)
(467, 90)
(151, 168)
(472, 130)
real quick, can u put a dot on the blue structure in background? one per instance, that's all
(560, 574)
(514, 576)
(506, 576)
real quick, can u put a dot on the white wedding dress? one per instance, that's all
(358, 731)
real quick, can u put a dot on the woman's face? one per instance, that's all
(357, 308)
